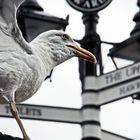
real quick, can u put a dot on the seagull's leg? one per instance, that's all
(16, 115)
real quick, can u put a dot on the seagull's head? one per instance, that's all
(62, 47)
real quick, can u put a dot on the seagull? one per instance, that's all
(24, 66)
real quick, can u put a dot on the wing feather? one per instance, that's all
(8, 23)
(8, 9)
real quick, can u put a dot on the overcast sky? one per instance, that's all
(121, 117)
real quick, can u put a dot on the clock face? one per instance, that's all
(88, 5)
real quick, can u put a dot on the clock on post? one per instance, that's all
(89, 5)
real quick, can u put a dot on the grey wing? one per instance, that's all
(8, 9)
(8, 23)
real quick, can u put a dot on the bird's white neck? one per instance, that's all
(43, 52)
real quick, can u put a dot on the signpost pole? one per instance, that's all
(91, 128)
(91, 112)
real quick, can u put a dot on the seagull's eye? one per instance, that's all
(66, 37)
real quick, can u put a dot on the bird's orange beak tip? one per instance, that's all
(86, 55)
(83, 53)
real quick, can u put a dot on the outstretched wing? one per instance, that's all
(8, 23)
(8, 10)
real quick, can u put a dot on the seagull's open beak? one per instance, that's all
(84, 53)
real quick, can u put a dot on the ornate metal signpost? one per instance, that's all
(91, 110)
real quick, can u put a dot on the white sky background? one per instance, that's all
(121, 117)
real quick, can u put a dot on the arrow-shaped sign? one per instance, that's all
(113, 78)
(114, 85)
(119, 92)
